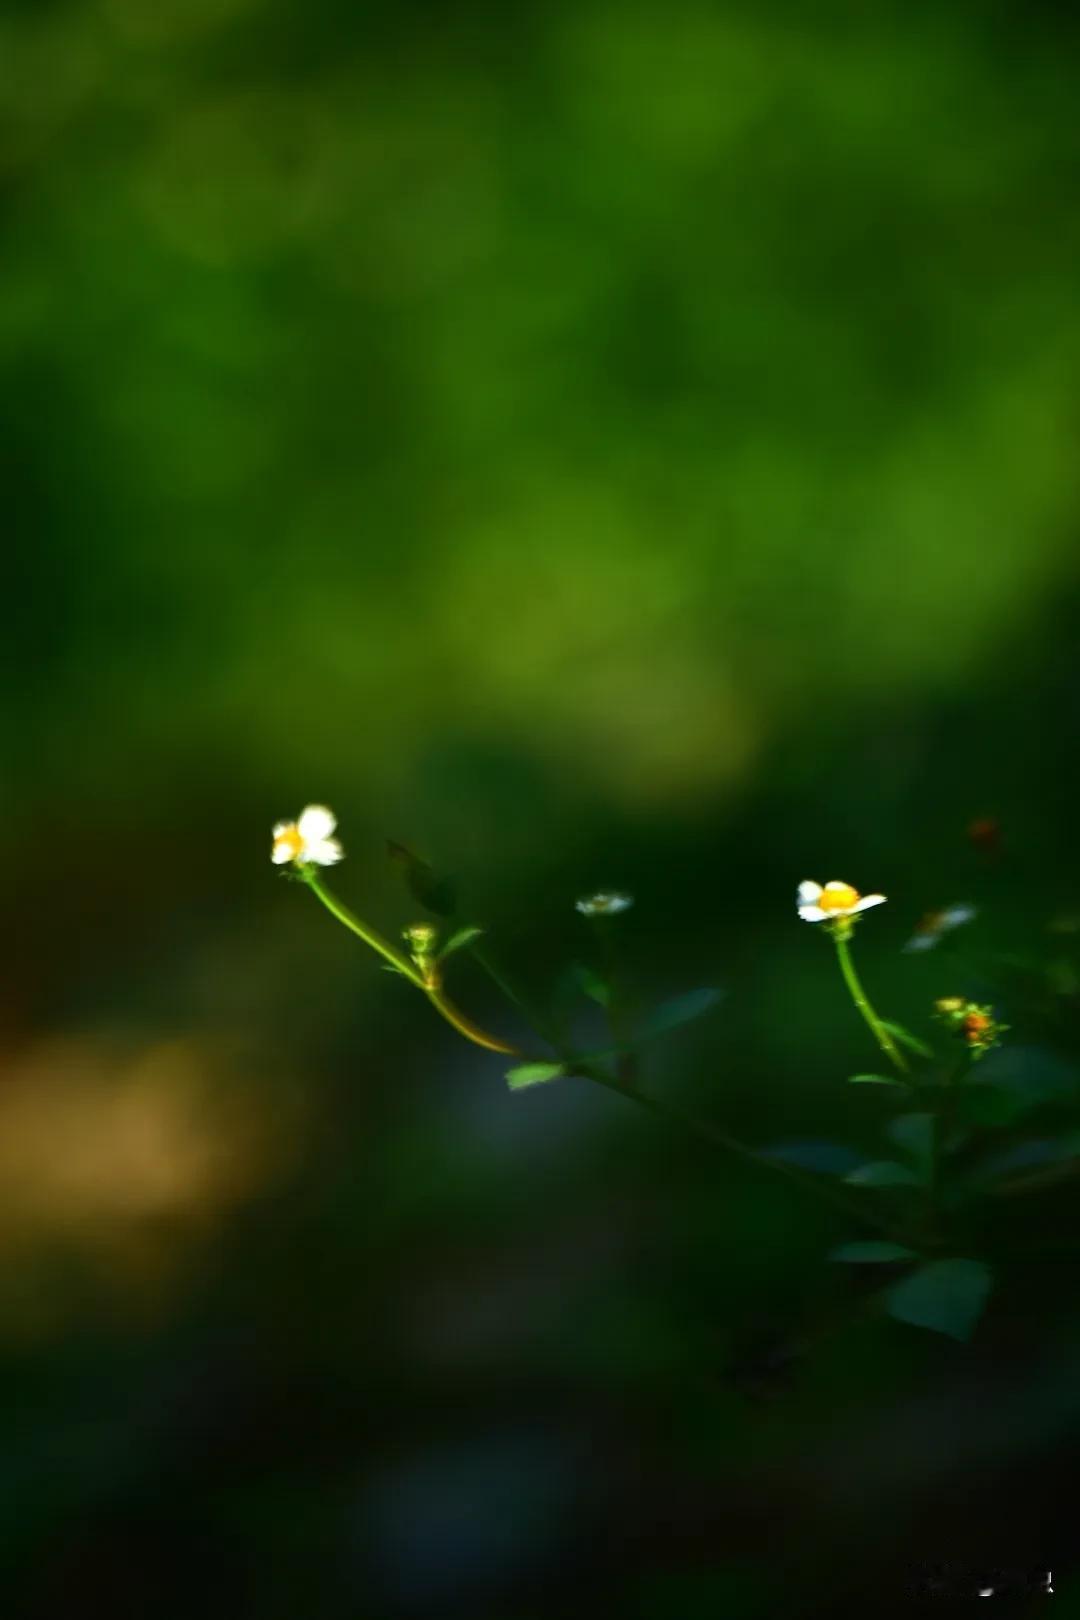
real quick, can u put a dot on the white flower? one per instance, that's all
(817, 904)
(307, 839)
(936, 923)
(607, 903)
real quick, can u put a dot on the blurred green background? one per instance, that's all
(594, 444)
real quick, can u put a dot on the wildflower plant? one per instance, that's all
(915, 1198)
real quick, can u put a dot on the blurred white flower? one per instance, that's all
(307, 839)
(607, 903)
(936, 923)
(817, 904)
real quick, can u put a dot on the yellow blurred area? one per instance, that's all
(118, 1161)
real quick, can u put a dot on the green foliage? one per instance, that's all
(875, 1080)
(458, 941)
(914, 1135)
(908, 1040)
(883, 1173)
(871, 1253)
(533, 1074)
(680, 1010)
(591, 984)
(946, 1296)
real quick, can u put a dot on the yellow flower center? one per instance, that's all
(290, 840)
(838, 897)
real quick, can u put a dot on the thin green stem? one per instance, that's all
(370, 936)
(465, 1026)
(429, 983)
(862, 1002)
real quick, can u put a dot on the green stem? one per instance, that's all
(862, 1002)
(370, 936)
(465, 1026)
(731, 1144)
(430, 984)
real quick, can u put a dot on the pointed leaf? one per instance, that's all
(946, 1296)
(596, 988)
(883, 1173)
(430, 890)
(458, 941)
(533, 1074)
(871, 1253)
(906, 1038)
(914, 1135)
(827, 1158)
(676, 1012)
(874, 1080)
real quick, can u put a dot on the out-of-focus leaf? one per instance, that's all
(1032, 1155)
(458, 941)
(883, 1173)
(676, 1012)
(906, 1038)
(946, 1296)
(826, 1158)
(1012, 1081)
(871, 1253)
(874, 1080)
(435, 893)
(591, 984)
(914, 1135)
(533, 1074)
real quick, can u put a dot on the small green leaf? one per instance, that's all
(596, 988)
(826, 1158)
(883, 1173)
(871, 1253)
(914, 1135)
(946, 1296)
(874, 1080)
(430, 890)
(533, 1074)
(676, 1012)
(458, 941)
(906, 1038)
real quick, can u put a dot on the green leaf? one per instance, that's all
(1033, 1155)
(883, 1173)
(871, 1253)
(430, 890)
(596, 988)
(906, 1038)
(533, 1074)
(874, 1080)
(676, 1012)
(458, 941)
(914, 1135)
(946, 1296)
(1014, 1080)
(826, 1158)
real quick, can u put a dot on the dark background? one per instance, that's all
(594, 444)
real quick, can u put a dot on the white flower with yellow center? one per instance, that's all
(817, 904)
(607, 903)
(307, 839)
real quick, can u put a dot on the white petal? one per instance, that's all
(867, 900)
(316, 823)
(281, 827)
(281, 853)
(922, 942)
(809, 893)
(834, 886)
(957, 916)
(813, 914)
(324, 852)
